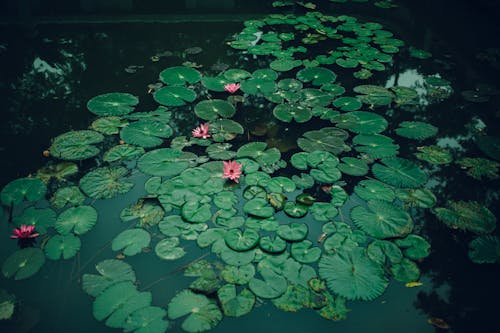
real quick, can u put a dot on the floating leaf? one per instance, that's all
(296, 210)
(58, 171)
(434, 155)
(363, 122)
(258, 207)
(213, 109)
(168, 249)
(415, 247)
(485, 249)
(131, 241)
(111, 271)
(122, 152)
(316, 75)
(164, 162)
(65, 246)
(418, 197)
(284, 65)
(241, 240)
(148, 213)
(399, 172)
(289, 112)
(194, 211)
(145, 320)
(78, 220)
(7, 305)
(108, 125)
(179, 75)
(304, 252)
(380, 250)
(112, 104)
(23, 263)
(478, 168)
(382, 220)
(272, 244)
(233, 304)
(76, 145)
(293, 232)
(375, 145)
(70, 195)
(238, 274)
(347, 103)
(353, 275)
(405, 271)
(465, 215)
(127, 315)
(202, 313)
(113, 298)
(146, 133)
(174, 96)
(273, 284)
(41, 218)
(416, 130)
(105, 183)
(353, 166)
(369, 189)
(254, 86)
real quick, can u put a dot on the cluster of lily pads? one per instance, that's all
(327, 223)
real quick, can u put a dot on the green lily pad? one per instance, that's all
(41, 218)
(147, 213)
(236, 74)
(353, 275)
(235, 258)
(296, 210)
(293, 232)
(316, 75)
(70, 195)
(323, 211)
(174, 96)
(195, 212)
(419, 53)
(304, 252)
(284, 65)
(168, 249)
(375, 145)
(380, 250)
(347, 63)
(405, 271)
(146, 133)
(415, 247)
(485, 249)
(299, 160)
(7, 305)
(112, 299)
(164, 162)
(374, 95)
(76, 145)
(225, 129)
(65, 246)
(434, 155)
(399, 172)
(258, 207)
(131, 241)
(111, 271)
(233, 304)
(202, 313)
(417, 197)
(272, 244)
(108, 125)
(255, 86)
(112, 104)
(479, 168)
(362, 122)
(416, 130)
(23, 263)
(238, 274)
(369, 189)
(220, 151)
(128, 314)
(467, 215)
(353, 166)
(179, 75)
(59, 171)
(382, 220)
(210, 236)
(78, 220)
(106, 182)
(289, 112)
(149, 319)
(347, 103)
(273, 284)
(327, 139)
(241, 240)
(122, 152)
(213, 109)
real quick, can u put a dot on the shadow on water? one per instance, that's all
(49, 71)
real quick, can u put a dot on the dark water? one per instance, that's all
(49, 71)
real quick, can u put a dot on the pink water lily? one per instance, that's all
(24, 231)
(232, 87)
(232, 170)
(201, 131)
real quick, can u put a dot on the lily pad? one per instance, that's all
(304, 252)
(369, 189)
(362, 122)
(255, 86)
(164, 162)
(70, 195)
(106, 182)
(289, 112)
(195, 212)
(316, 75)
(241, 240)
(23, 263)
(293, 232)
(180, 75)
(149, 319)
(131, 314)
(416, 130)
(78, 220)
(273, 284)
(59, 171)
(41, 218)
(272, 244)
(202, 313)
(485, 249)
(65, 246)
(234, 304)
(382, 220)
(258, 207)
(146, 133)
(238, 274)
(405, 271)
(353, 166)
(415, 247)
(467, 215)
(434, 155)
(131, 241)
(174, 96)
(213, 109)
(111, 271)
(108, 125)
(347, 103)
(76, 145)
(399, 172)
(112, 104)
(113, 298)
(353, 275)
(122, 152)
(168, 249)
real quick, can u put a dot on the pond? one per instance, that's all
(232, 166)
